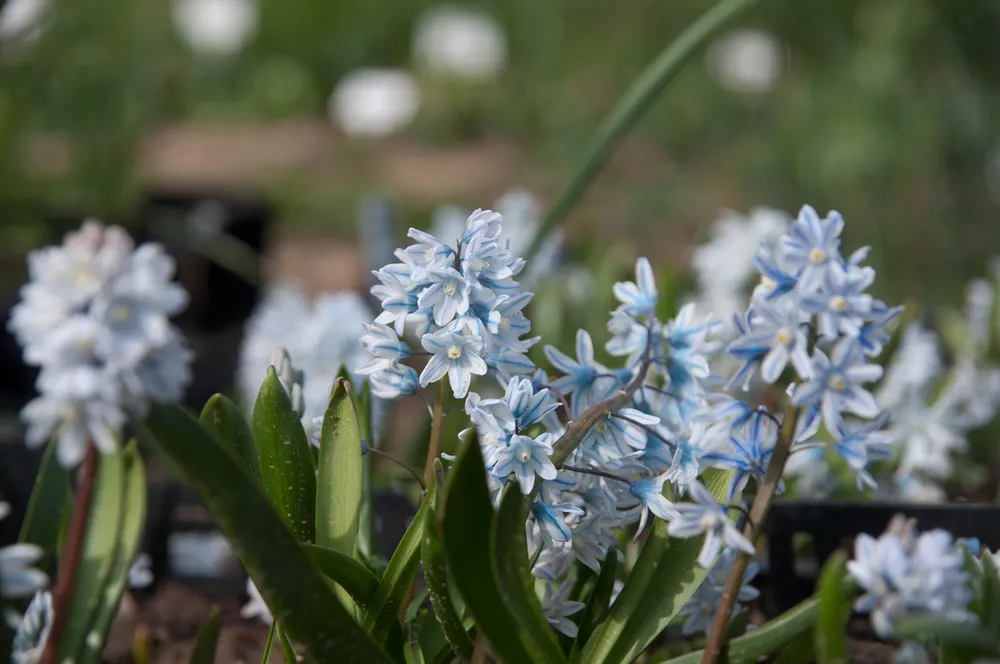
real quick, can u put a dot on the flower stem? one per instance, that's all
(70, 563)
(437, 423)
(754, 527)
(631, 107)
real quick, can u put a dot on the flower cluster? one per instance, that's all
(931, 410)
(33, 631)
(95, 319)
(812, 311)
(903, 572)
(318, 334)
(459, 297)
(700, 609)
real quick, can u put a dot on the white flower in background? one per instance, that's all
(216, 27)
(17, 576)
(724, 266)
(140, 574)
(746, 60)
(95, 318)
(33, 631)
(557, 607)
(374, 102)
(256, 608)
(460, 42)
(915, 365)
(321, 335)
(21, 19)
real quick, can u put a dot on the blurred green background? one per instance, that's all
(883, 109)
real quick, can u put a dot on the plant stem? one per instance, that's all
(753, 530)
(70, 563)
(437, 423)
(631, 107)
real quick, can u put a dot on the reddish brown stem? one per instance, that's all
(752, 531)
(70, 563)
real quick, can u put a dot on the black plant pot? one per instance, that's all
(833, 525)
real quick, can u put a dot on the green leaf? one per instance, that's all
(631, 107)
(98, 554)
(960, 636)
(287, 651)
(208, 639)
(991, 595)
(465, 523)
(600, 599)
(366, 533)
(127, 541)
(514, 577)
(398, 576)
(347, 572)
(436, 577)
(830, 631)
(338, 499)
(291, 586)
(286, 467)
(766, 640)
(224, 420)
(47, 507)
(269, 643)
(662, 580)
(800, 650)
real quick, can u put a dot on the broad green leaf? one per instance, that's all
(127, 541)
(292, 587)
(662, 580)
(801, 649)
(436, 577)
(433, 642)
(398, 576)
(766, 640)
(286, 466)
(514, 578)
(287, 651)
(225, 421)
(338, 500)
(208, 640)
(600, 599)
(465, 522)
(98, 555)
(347, 572)
(961, 636)
(830, 631)
(47, 507)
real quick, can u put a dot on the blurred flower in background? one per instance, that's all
(374, 102)
(321, 334)
(746, 61)
(216, 27)
(21, 19)
(464, 43)
(723, 266)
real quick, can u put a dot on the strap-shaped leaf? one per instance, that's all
(465, 523)
(347, 572)
(369, 432)
(225, 421)
(338, 500)
(47, 507)
(286, 466)
(208, 640)
(292, 587)
(600, 599)
(127, 542)
(662, 580)
(830, 631)
(516, 584)
(399, 574)
(765, 640)
(98, 554)
(287, 651)
(436, 577)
